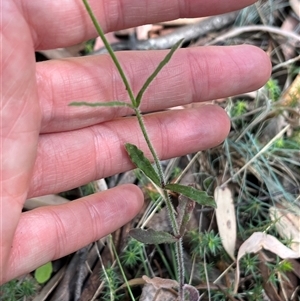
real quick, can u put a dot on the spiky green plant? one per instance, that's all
(18, 290)
(112, 280)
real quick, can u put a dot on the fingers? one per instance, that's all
(19, 107)
(52, 232)
(70, 159)
(20, 121)
(65, 23)
(195, 74)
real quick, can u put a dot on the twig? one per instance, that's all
(270, 29)
(81, 273)
(286, 63)
(188, 33)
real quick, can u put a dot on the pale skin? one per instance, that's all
(48, 147)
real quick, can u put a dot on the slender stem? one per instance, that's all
(107, 278)
(165, 261)
(170, 209)
(121, 269)
(178, 246)
(206, 275)
(180, 262)
(151, 148)
(172, 216)
(110, 51)
(135, 103)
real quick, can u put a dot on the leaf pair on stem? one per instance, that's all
(188, 196)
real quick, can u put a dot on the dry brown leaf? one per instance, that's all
(258, 241)
(292, 93)
(183, 21)
(158, 289)
(226, 219)
(142, 32)
(288, 226)
(295, 4)
(46, 200)
(158, 282)
(59, 53)
(289, 24)
(149, 293)
(132, 283)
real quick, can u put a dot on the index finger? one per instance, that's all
(64, 23)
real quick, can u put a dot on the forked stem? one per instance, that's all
(135, 103)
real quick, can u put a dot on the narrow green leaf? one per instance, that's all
(153, 237)
(110, 51)
(43, 273)
(184, 211)
(198, 196)
(139, 160)
(156, 71)
(101, 104)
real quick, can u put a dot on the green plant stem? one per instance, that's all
(178, 245)
(144, 261)
(150, 146)
(180, 263)
(112, 298)
(121, 268)
(172, 216)
(165, 261)
(110, 51)
(135, 102)
(179, 249)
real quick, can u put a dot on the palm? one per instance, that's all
(48, 147)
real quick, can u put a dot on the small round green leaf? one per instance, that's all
(43, 273)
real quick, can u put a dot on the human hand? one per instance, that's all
(48, 147)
